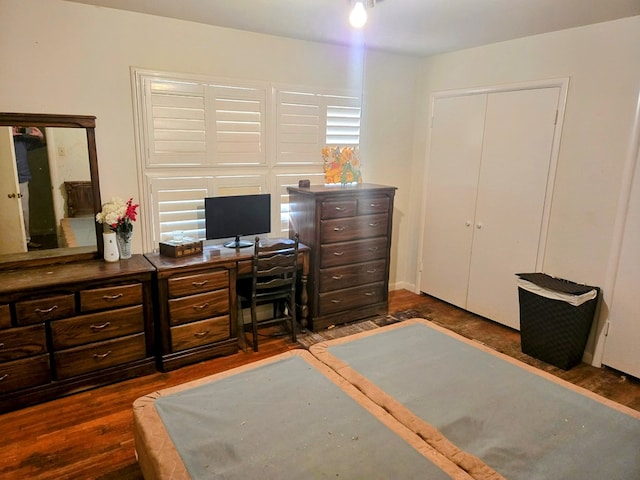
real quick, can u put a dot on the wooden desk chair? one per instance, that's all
(274, 268)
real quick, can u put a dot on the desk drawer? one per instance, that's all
(198, 307)
(352, 275)
(346, 253)
(22, 342)
(48, 308)
(203, 282)
(96, 327)
(368, 206)
(95, 356)
(110, 297)
(5, 316)
(24, 373)
(200, 333)
(343, 229)
(338, 208)
(350, 298)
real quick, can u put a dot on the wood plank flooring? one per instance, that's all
(88, 435)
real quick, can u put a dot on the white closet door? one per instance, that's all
(452, 178)
(517, 148)
(622, 346)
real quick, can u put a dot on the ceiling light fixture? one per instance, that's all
(358, 16)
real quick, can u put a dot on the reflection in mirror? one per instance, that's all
(49, 188)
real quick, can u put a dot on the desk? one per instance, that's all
(197, 305)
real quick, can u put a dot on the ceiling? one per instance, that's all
(415, 27)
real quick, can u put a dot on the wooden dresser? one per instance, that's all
(196, 308)
(73, 326)
(349, 231)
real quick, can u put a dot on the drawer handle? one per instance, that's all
(338, 254)
(201, 307)
(369, 294)
(338, 229)
(336, 300)
(337, 277)
(101, 356)
(201, 334)
(109, 298)
(200, 284)
(373, 249)
(48, 310)
(4, 377)
(340, 209)
(372, 271)
(100, 327)
(1, 345)
(375, 224)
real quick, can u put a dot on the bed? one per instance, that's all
(408, 400)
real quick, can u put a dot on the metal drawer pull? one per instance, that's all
(101, 356)
(200, 284)
(108, 298)
(338, 229)
(338, 254)
(374, 224)
(201, 334)
(100, 327)
(337, 277)
(374, 205)
(373, 249)
(1, 345)
(44, 312)
(336, 300)
(372, 271)
(4, 377)
(201, 307)
(340, 209)
(369, 294)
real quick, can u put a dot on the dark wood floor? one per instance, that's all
(88, 435)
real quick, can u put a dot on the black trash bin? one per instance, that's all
(555, 318)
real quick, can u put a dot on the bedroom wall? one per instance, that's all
(63, 57)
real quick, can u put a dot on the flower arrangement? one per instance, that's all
(341, 165)
(118, 215)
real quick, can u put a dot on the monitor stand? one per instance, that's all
(237, 243)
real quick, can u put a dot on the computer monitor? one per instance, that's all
(237, 215)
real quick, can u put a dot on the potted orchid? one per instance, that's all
(119, 216)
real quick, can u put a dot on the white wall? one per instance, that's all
(63, 57)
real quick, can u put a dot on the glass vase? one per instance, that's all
(124, 244)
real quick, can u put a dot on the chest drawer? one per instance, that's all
(84, 329)
(25, 373)
(346, 253)
(198, 307)
(22, 342)
(349, 298)
(110, 297)
(352, 275)
(5, 316)
(96, 356)
(47, 308)
(200, 333)
(338, 208)
(343, 229)
(371, 205)
(202, 282)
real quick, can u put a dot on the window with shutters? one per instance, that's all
(200, 137)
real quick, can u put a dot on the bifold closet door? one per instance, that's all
(486, 189)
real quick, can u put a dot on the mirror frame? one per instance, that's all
(60, 255)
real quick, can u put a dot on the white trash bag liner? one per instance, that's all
(575, 300)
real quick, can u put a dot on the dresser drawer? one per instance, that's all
(371, 205)
(22, 342)
(25, 373)
(349, 298)
(110, 297)
(343, 229)
(47, 308)
(96, 356)
(338, 208)
(96, 327)
(200, 333)
(346, 253)
(352, 275)
(5, 316)
(200, 283)
(198, 307)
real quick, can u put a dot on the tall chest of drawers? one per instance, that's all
(73, 326)
(349, 231)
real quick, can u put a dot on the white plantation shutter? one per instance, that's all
(343, 121)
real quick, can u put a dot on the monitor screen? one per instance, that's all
(237, 215)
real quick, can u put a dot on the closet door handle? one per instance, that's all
(478, 226)
(467, 223)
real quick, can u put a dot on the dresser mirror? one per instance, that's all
(50, 159)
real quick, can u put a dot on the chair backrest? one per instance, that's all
(275, 265)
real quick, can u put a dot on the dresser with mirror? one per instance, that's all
(69, 321)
